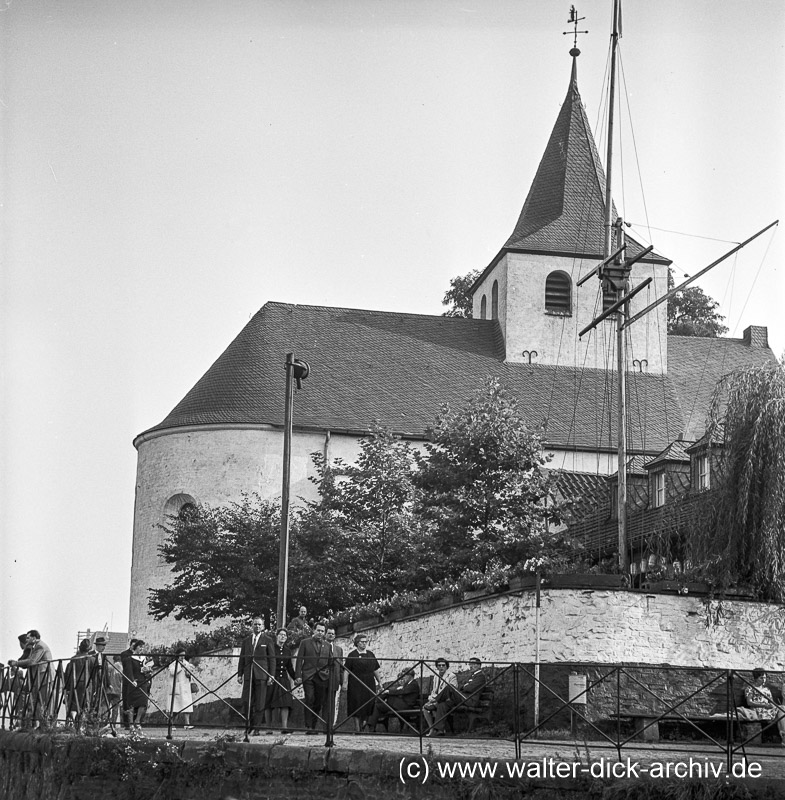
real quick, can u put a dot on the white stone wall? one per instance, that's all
(526, 326)
(601, 626)
(213, 466)
(498, 273)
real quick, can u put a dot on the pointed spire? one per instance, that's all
(564, 210)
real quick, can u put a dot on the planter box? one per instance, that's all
(442, 602)
(471, 594)
(572, 581)
(583, 582)
(371, 622)
(675, 586)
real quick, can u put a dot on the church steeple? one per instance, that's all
(532, 285)
(564, 211)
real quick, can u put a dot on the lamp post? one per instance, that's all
(296, 371)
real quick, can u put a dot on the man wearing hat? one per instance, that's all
(467, 695)
(99, 679)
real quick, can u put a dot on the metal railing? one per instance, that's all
(613, 706)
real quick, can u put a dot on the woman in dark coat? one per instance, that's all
(279, 690)
(362, 670)
(139, 691)
(77, 677)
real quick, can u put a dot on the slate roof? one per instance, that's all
(564, 211)
(674, 452)
(398, 369)
(696, 364)
(586, 490)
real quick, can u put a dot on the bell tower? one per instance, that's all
(531, 284)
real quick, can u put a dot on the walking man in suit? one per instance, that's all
(256, 665)
(126, 657)
(314, 661)
(100, 682)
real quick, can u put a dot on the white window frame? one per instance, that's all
(659, 488)
(703, 472)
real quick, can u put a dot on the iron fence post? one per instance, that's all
(330, 714)
(618, 712)
(171, 698)
(516, 710)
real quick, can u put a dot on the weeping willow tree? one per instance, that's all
(740, 540)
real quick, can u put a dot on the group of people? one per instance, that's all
(92, 686)
(305, 654)
(266, 670)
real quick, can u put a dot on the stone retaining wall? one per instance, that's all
(593, 625)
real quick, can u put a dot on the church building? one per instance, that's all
(225, 437)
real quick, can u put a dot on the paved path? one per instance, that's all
(647, 755)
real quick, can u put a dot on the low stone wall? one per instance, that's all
(592, 625)
(43, 767)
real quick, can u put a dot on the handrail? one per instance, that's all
(64, 692)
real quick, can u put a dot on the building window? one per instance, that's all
(558, 293)
(484, 307)
(659, 488)
(702, 465)
(495, 300)
(179, 505)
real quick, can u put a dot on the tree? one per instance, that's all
(457, 297)
(484, 488)
(741, 539)
(224, 562)
(369, 504)
(691, 312)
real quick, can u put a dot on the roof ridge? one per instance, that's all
(376, 312)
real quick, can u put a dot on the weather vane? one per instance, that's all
(574, 20)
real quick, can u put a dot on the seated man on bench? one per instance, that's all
(402, 695)
(467, 696)
(760, 700)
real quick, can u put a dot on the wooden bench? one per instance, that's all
(647, 724)
(413, 716)
(478, 707)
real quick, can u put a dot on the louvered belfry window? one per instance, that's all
(558, 292)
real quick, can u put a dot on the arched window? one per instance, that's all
(495, 300)
(484, 307)
(179, 505)
(558, 293)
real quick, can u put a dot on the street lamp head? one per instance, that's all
(300, 371)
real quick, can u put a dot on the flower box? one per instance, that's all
(369, 622)
(583, 581)
(682, 587)
(519, 582)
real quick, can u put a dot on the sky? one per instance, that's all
(168, 168)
